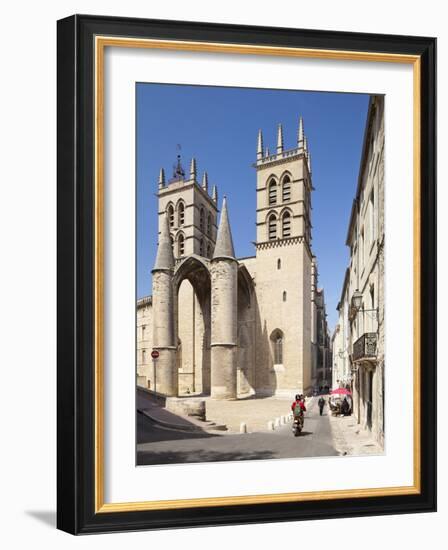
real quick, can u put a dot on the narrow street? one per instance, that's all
(157, 445)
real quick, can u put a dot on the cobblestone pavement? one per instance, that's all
(350, 439)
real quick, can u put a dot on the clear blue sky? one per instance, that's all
(219, 127)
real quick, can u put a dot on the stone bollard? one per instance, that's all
(243, 428)
(270, 425)
(277, 422)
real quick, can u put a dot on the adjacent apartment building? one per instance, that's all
(358, 341)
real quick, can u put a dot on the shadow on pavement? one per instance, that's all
(148, 432)
(178, 457)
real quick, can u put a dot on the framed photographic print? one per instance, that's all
(246, 274)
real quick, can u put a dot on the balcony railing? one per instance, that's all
(365, 347)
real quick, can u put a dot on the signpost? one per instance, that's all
(154, 354)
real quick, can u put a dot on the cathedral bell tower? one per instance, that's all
(283, 257)
(191, 211)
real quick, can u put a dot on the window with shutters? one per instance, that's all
(286, 189)
(286, 225)
(181, 245)
(170, 212)
(272, 192)
(209, 225)
(202, 219)
(272, 227)
(181, 214)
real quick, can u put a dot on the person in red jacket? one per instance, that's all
(299, 402)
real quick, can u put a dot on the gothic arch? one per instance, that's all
(186, 268)
(194, 271)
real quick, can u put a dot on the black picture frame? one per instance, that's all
(76, 511)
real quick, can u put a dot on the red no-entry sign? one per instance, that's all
(155, 354)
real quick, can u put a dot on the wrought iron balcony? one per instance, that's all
(365, 347)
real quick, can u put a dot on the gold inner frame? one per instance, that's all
(101, 42)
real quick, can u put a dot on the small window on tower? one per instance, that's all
(171, 215)
(181, 213)
(284, 295)
(272, 192)
(286, 225)
(272, 227)
(279, 264)
(181, 245)
(201, 219)
(286, 189)
(209, 225)
(143, 356)
(209, 251)
(277, 346)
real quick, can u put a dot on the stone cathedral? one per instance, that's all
(229, 327)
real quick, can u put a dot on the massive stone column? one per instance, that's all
(166, 379)
(223, 270)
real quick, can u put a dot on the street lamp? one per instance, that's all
(357, 300)
(356, 303)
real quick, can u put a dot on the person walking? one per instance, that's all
(321, 404)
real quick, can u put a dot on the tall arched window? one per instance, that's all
(272, 191)
(181, 214)
(172, 242)
(170, 212)
(286, 225)
(277, 346)
(201, 219)
(272, 227)
(209, 225)
(286, 189)
(180, 245)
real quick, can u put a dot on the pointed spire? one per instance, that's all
(224, 242)
(300, 135)
(165, 257)
(260, 145)
(215, 194)
(267, 151)
(305, 146)
(205, 182)
(279, 139)
(193, 172)
(162, 178)
(309, 163)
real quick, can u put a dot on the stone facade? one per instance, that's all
(226, 326)
(359, 344)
